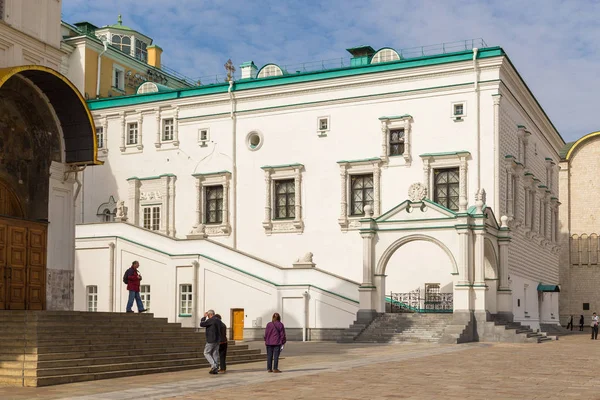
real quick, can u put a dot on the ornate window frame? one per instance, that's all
(125, 121)
(514, 171)
(161, 117)
(391, 123)
(272, 174)
(201, 229)
(457, 159)
(530, 202)
(358, 167)
(103, 125)
(155, 190)
(523, 139)
(111, 206)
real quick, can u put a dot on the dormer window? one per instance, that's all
(122, 43)
(141, 52)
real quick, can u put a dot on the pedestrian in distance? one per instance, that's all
(132, 279)
(594, 326)
(581, 322)
(274, 340)
(222, 346)
(213, 334)
(570, 323)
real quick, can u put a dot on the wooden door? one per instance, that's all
(22, 264)
(237, 324)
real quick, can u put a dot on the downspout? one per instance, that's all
(195, 291)
(234, 168)
(478, 119)
(105, 43)
(305, 323)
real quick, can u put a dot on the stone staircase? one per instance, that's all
(512, 332)
(41, 348)
(405, 327)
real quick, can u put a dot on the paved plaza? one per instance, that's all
(563, 369)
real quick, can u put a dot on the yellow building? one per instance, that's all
(114, 60)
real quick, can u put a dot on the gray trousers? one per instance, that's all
(211, 352)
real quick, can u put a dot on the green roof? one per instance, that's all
(119, 25)
(563, 152)
(548, 288)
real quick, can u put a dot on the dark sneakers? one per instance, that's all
(147, 309)
(214, 371)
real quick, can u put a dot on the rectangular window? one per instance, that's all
(586, 306)
(361, 193)
(145, 296)
(531, 209)
(459, 109)
(446, 187)
(203, 135)
(285, 199)
(92, 298)
(185, 300)
(152, 218)
(100, 137)
(119, 78)
(167, 131)
(396, 142)
(132, 133)
(213, 204)
(323, 124)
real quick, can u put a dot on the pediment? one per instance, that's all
(420, 210)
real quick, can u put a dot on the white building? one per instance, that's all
(229, 187)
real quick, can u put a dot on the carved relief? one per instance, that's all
(154, 195)
(417, 192)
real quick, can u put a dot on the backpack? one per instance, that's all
(125, 280)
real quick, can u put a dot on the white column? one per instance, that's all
(195, 296)
(479, 286)
(176, 127)
(366, 288)
(123, 132)
(426, 170)
(384, 140)
(157, 142)
(267, 221)
(111, 279)
(140, 144)
(226, 203)
(343, 219)
(297, 196)
(497, 98)
(376, 191)
(407, 144)
(462, 177)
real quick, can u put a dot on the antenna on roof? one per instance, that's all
(120, 20)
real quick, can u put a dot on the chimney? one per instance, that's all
(154, 53)
(249, 70)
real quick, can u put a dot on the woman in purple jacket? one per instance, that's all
(274, 340)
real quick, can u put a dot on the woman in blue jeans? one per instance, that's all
(274, 340)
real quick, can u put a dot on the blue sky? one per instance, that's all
(554, 44)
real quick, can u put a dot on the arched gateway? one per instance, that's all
(47, 134)
(474, 250)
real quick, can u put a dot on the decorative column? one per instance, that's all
(297, 198)
(195, 291)
(267, 221)
(426, 171)
(479, 286)
(376, 189)
(367, 290)
(504, 294)
(343, 219)
(198, 230)
(226, 204)
(123, 132)
(462, 177)
(497, 98)
(105, 134)
(407, 157)
(140, 143)
(157, 142)
(176, 127)
(384, 140)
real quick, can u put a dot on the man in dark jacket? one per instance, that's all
(133, 278)
(222, 346)
(213, 336)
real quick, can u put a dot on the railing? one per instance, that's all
(344, 62)
(413, 302)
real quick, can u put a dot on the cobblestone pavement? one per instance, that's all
(564, 369)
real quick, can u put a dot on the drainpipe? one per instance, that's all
(105, 43)
(111, 279)
(234, 158)
(195, 290)
(305, 323)
(476, 88)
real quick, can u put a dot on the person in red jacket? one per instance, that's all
(133, 278)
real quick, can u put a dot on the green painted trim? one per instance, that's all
(509, 156)
(447, 153)
(410, 229)
(367, 287)
(454, 273)
(479, 285)
(543, 187)
(282, 166)
(504, 290)
(418, 220)
(467, 285)
(218, 262)
(405, 116)
(185, 315)
(153, 46)
(152, 177)
(297, 78)
(359, 161)
(548, 159)
(433, 203)
(528, 174)
(521, 126)
(391, 210)
(211, 173)
(247, 64)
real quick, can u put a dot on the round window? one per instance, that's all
(254, 140)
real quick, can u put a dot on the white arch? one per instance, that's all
(387, 254)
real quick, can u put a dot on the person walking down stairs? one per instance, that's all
(213, 334)
(222, 346)
(132, 279)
